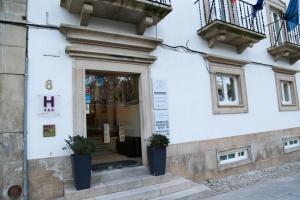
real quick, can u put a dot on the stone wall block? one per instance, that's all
(260, 150)
(295, 132)
(262, 137)
(2, 31)
(245, 168)
(225, 143)
(274, 147)
(14, 36)
(11, 103)
(194, 164)
(254, 152)
(13, 10)
(11, 147)
(12, 59)
(172, 150)
(188, 148)
(46, 177)
(266, 150)
(16, 8)
(208, 145)
(242, 141)
(12, 174)
(176, 164)
(1, 178)
(292, 157)
(2, 67)
(211, 163)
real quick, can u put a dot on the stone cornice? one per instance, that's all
(75, 51)
(285, 70)
(91, 43)
(79, 34)
(225, 60)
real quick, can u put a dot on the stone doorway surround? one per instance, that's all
(110, 52)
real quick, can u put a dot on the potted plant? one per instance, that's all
(81, 160)
(157, 154)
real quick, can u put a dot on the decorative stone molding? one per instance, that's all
(93, 44)
(143, 24)
(87, 10)
(286, 75)
(276, 4)
(222, 32)
(142, 13)
(285, 70)
(233, 67)
(286, 50)
(225, 60)
(110, 52)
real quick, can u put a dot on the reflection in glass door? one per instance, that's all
(113, 118)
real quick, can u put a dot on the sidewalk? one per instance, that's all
(286, 188)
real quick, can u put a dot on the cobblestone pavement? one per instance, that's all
(223, 185)
(285, 188)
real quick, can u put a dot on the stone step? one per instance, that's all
(147, 192)
(116, 186)
(102, 152)
(194, 193)
(111, 175)
(117, 174)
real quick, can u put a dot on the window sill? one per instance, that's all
(230, 109)
(230, 105)
(288, 107)
(234, 164)
(293, 149)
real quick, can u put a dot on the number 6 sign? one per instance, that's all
(49, 85)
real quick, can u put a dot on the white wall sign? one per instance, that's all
(160, 97)
(160, 107)
(48, 105)
(161, 122)
(159, 85)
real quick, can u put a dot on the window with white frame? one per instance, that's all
(286, 94)
(291, 143)
(227, 89)
(286, 89)
(233, 156)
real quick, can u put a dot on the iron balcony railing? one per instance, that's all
(162, 2)
(281, 35)
(239, 13)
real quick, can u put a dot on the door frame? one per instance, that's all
(92, 49)
(79, 116)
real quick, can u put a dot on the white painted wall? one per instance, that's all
(59, 70)
(190, 105)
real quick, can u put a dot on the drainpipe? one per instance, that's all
(25, 162)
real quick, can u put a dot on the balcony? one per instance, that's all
(284, 44)
(142, 13)
(232, 24)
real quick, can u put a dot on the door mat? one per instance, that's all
(115, 165)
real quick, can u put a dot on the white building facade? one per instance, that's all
(222, 85)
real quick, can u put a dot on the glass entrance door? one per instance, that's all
(113, 118)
